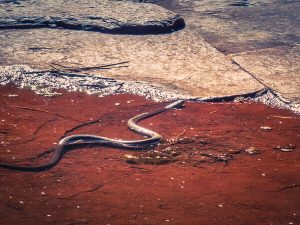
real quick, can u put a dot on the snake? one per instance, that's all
(72, 141)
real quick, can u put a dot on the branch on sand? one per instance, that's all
(67, 70)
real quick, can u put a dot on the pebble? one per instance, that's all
(130, 156)
(252, 151)
(13, 95)
(220, 205)
(21, 202)
(265, 128)
(285, 148)
(117, 103)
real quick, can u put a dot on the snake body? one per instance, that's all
(87, 139)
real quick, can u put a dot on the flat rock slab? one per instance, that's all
(261, 36)
(276, 67)
(181, 60)
(233, 27)
(105, 16)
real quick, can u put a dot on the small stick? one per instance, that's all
(91, 68)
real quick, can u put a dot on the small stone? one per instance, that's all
(220, 205)
(252, 151)
(43, 193)
(265, 128)
(263, 174)
(285, 148)
(127, 156)
(48, 215)
(13, 95)
(203, 142)
(234, 151)
(21, 202)
(117, 103)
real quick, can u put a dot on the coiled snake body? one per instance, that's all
(86, 139)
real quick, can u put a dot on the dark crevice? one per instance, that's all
(123, 29)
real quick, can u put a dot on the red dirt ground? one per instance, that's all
(99, 186)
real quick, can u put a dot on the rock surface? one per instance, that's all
(104, 16)
(278, 68)
(232, 28)
(182, 60)
(262, 37)
(225, 49)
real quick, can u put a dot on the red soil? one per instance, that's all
(98, 186)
